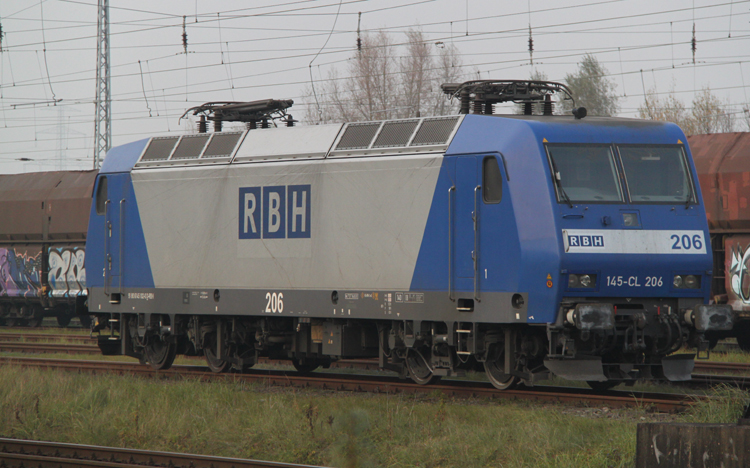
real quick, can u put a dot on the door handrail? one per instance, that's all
(107, 259)
(121, 241)
(450, 242)
(475, 253)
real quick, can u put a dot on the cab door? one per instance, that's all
(475, 210)
(466, 202)
(114, 226)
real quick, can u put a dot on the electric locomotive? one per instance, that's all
(515, 244)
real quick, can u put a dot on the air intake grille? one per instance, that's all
(159, 148)
(190, 147)
(434, 131)
(395, 133)
(358, 136)
(222, 144)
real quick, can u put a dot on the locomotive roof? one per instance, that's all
(354, 139)
(60, 199)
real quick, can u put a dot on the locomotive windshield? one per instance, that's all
(589, 173)
(656, 174)
(585, 173)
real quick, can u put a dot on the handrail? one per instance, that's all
(475, 253)
(107, 235)
(122, 246)
(450, 242)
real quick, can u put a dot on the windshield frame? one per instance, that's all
(614, 161)
(686, 167)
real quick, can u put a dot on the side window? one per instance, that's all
(492, 180)
(101, 195)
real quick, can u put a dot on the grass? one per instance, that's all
(237, 419)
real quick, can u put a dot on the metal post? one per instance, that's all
(103, 99)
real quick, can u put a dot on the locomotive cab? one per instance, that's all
(636, 263)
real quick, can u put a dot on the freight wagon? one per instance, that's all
(43, 225)
(723, 164)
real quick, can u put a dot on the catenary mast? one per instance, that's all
(103, 122)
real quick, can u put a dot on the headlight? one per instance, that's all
(630, 220)
(687, 281)
(585, 281)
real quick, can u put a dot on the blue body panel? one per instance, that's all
(520, 241)
(123, 158)
(130, 267)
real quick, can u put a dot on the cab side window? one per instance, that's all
(101, 196)
(492, 180)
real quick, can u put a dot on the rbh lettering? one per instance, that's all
(586, 241)
(274, 212)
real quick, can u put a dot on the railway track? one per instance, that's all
(30, 343)
(41, 337)
(378, 384)
(27, 453)
(705, 376)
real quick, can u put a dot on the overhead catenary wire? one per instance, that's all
(309, 66)
(44, 42)
(161, 69)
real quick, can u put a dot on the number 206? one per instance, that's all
(275, 303)
(685, 242)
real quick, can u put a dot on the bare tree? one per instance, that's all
(667, 109)
(709, 114)
(416, 71)
(591, 88)
(447, 68)
(380, 85)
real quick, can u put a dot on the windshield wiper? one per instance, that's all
(558, 182)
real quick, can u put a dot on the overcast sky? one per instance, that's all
(241, 51)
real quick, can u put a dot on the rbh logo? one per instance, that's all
(586, 241)
(276, 212)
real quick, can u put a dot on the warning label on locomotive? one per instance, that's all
(143, 296)
(633, 241)
(417, 298)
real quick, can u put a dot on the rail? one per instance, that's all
(18, 452)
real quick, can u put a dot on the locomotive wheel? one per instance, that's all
(11, 322)
(419, 370)
(160, 354)
(602, 386)
(215, 363)
(63, 320)
(306, 367)
(494, 367)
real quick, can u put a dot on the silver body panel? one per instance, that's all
(368, 217)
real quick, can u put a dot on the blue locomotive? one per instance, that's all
(517, 244)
